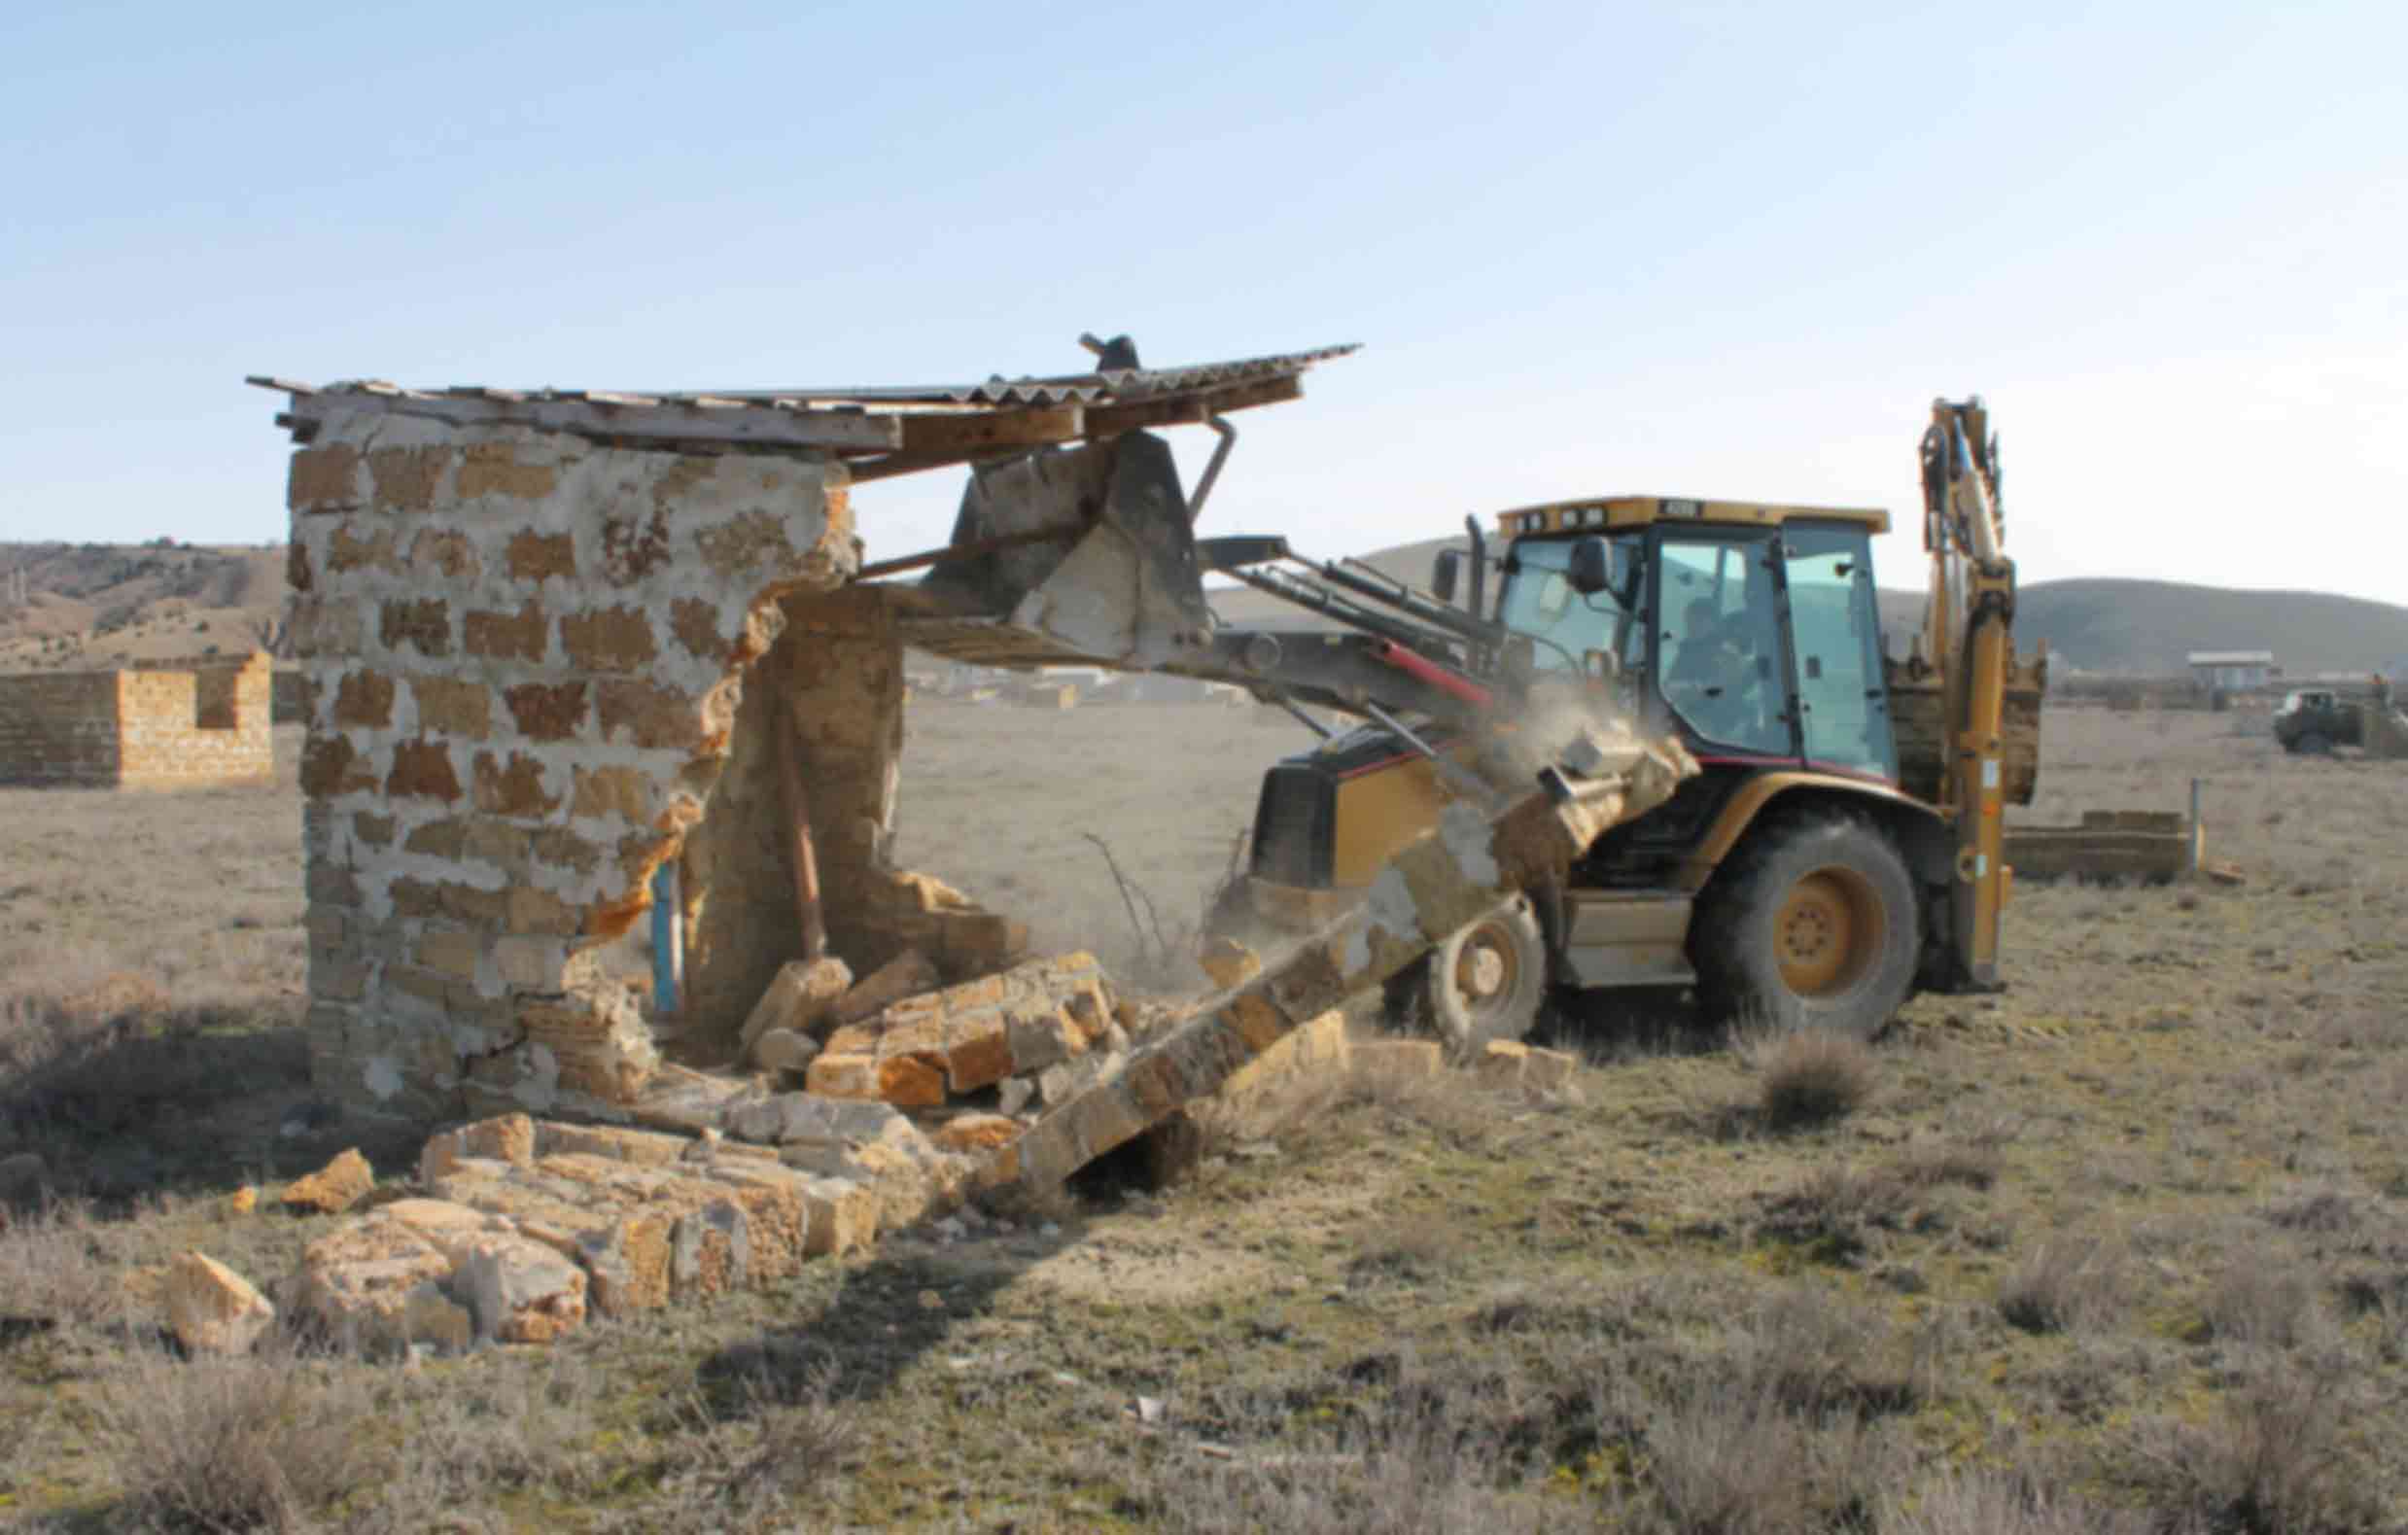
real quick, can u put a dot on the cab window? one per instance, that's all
(1843, 711)
(1718, 631)
(1562, 625)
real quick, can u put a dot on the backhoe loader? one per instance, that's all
(1840, 848)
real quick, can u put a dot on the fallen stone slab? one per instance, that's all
(976, 1131)
(505, 1137)
(334, 1188)
(1398, 1060)
(1429, 889)
(796, 998)
(907, 974)
(784, 1050)
(792, 1118)
(1549, 1071)
(212, 1309)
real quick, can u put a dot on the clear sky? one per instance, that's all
(1705, 249)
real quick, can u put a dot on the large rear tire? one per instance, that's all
(2313, 744)
(1813, 923)
(1488, 981)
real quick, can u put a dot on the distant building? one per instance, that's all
(2233, 671)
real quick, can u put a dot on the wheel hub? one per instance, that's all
(1485, 970)
(1827, 932)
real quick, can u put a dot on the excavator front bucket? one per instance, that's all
(1083, 555)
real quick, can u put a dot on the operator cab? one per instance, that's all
(1753, 630)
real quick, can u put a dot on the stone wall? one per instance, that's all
(175, 724)
(537, 668)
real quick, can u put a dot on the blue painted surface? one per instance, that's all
(665, 936)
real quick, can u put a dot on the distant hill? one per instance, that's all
(2126, 627)
(101, 604)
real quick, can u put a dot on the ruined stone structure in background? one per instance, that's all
(197, 723)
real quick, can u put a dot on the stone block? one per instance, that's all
(520, 636)
(609, 640)
(644, 1148)
(796, 998)
(421, 624)
(505, 1137)
(1501, 1062)
(451, 952)
(906, 975)
(421, 769)
(784, 1050)
(1549, 1071)
(1229, 962)
(334, 1188)
(976, 1132)
(849, 1076)
(448, 706)
(212, 1309)
(844, 1216)
(517, 1290)
(547, 711)
(363, 1280)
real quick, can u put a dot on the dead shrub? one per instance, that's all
(2066, 1283)
(2265, 1304)
(1996, 1503)
(1972, 1163)
(1834, 1211)
(1809, 1077)
(755, 1443)
(235, 1445)
(2273, 1461)
(56, 1269)
(1724, 1457)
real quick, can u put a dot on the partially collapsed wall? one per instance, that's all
(198, 723)
(536, 667)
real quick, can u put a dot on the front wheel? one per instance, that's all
(1812, 924)
(1488, 981)
(2313, 744)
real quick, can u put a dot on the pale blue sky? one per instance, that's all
(1719, 250)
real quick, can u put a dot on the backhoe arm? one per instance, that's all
(1970, 637)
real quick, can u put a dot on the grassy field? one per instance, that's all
(2123, 1248)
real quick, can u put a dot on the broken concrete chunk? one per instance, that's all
(212, 1309)
(1015, 1092)
(907, 974)
(798, 995)
(784, 1050)
(517, 1290)
(334, 1188)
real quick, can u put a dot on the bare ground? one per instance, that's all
(2126, 1247)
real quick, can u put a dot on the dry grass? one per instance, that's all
(1420, 1306)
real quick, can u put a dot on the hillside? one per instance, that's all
(100, 605)
(2127, 627)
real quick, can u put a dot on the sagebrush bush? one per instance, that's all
(1811, 1076)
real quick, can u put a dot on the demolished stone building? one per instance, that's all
(200, 723)
(553, 641)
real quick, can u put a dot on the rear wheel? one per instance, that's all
(2313, 744)
(1488, 981)
(1813, 923)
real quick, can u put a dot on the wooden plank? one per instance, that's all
(806, 858)
(962, 433)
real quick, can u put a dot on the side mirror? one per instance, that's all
(1595, 566)
(1443, 574)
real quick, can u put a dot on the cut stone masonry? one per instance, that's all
(197, 723)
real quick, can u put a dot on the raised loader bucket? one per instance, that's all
(1080, 555)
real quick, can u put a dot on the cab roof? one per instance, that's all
(1637, 511)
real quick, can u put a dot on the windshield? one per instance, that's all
(1563, 625)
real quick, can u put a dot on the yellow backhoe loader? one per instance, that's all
(1840, 848)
